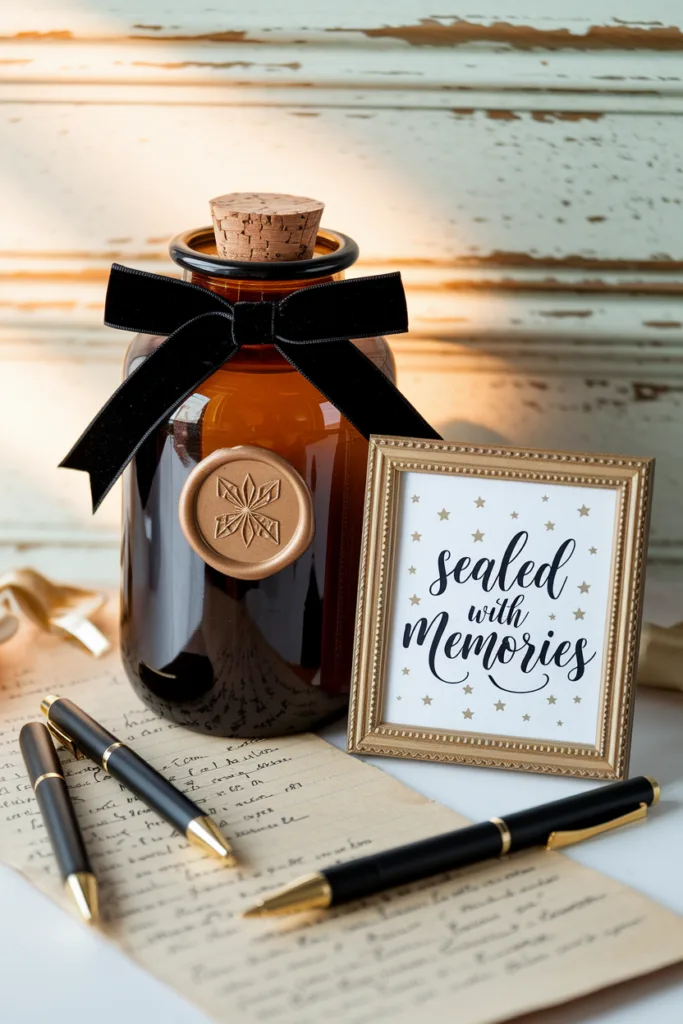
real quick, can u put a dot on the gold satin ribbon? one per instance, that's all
(8, 625)
(54, 607)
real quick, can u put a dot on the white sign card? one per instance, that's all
(499, 606)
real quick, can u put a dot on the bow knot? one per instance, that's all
(253, 323)
(310, 327)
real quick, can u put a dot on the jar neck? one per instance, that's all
(239, 281)
(239, 290)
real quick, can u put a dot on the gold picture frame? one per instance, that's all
(620, 486)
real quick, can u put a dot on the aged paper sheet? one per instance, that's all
(494, 941)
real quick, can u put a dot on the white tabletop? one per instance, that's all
(54, 969)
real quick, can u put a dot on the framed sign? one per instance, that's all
(499, 606)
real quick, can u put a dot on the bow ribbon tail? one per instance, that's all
(358, 388)
(161, 383)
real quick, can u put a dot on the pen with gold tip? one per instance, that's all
(553, 825)
(45, 774)
(85, 737)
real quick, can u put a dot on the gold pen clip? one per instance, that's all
(63, 740)
(556, 840)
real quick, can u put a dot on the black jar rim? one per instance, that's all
(192, 250)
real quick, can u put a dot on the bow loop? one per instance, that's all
(310, 327)
(154, 304)
(363, 307)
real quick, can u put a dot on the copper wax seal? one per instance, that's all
(246, 512)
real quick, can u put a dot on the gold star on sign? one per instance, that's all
(545, 498)
(514, 515)
(443, 514)
(583, 511)
(480, 502)
(593, 551)
(551, 700)
(577, 700)
(416, 535)
(415, 498)
(412, 570)
(551, 617)
(499, 706)
(578, 614)
(426, 700)
(526, 718)
(406, 671)
(549, 525)
(584, 587)
(478, 536)
(415, 599)
(468, 714)
(467, 689)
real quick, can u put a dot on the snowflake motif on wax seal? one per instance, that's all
(247, 519)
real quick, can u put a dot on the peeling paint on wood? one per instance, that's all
(561, 314)
(357, 73)
(159, 254)
(30, 307)
(574, 261)
(542, 116)
(654, 392)
(587, 286)
(59, 35)
(502, 115)
(430, 32)
(566, 115)
(177, 65)
(208, 37)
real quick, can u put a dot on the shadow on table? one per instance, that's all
(658, 736)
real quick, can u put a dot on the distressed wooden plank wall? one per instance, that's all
(522, 167)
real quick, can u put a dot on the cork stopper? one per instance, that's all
(265, 226)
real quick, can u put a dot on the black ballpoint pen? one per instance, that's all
(552, 825)
(45, 774)
(81, 734)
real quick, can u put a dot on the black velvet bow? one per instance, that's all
(310, 327)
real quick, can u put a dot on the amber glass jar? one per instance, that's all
(245, 657)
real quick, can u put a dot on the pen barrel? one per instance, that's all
(89, 736)
(124, 765)
(148, 785)
(585, 810)
(62, 828)
(38, 751)
(406, 864)
(45, 773)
